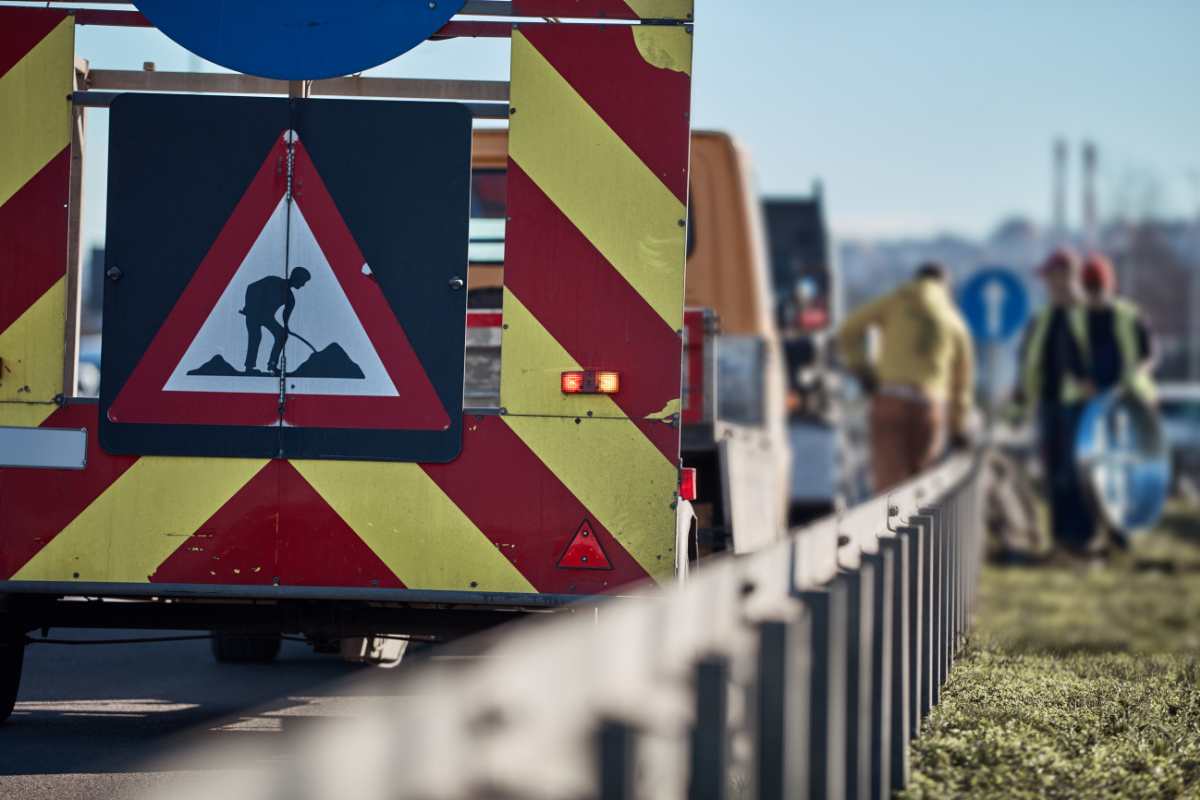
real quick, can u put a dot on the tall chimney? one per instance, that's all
(1089, 193)
(1058, 198)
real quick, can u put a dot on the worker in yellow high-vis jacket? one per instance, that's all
(923, 380)
(1055, 383)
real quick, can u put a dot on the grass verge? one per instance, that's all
(1077, 683)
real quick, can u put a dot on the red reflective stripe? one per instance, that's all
(33, 238)
(276, 526)
(110, 18)
(484, 319)
(21, 29)
(36, 504)
(474, 29)
(525, 510)
(653, 120)
(587, 306)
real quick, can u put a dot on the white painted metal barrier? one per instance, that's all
(802, 670)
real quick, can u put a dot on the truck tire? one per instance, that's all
(235, 648)
(12, 656)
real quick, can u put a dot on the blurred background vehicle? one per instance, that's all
(1179, 404)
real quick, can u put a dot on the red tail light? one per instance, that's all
(591, 381)
(687, 483)
(572, 382)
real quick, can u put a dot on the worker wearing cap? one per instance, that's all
(1119, 343)
(923, 380)
(1055, 383)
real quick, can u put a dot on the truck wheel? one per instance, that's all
(235, 648)
(12, 655)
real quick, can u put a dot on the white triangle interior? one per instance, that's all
(322, 314)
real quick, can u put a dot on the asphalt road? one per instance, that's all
(112, 721)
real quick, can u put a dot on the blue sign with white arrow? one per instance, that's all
(995, 304)
(299, 39)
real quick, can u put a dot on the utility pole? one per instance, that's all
(1058, 198)
(1090, 159)
(1194, 300)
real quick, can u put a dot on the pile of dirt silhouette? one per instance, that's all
(215, 366)
(332, 362)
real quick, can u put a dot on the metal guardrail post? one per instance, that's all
(782, 719)
(917, 538)
(827, 698)
(955, 562)
(614, 749)
(883, 566)
(860, 608)
(939, 534)
(949, 534)
(901, 681)
(924, 588)
(710, 742)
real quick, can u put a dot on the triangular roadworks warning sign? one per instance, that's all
(585, 551)
(282, 321)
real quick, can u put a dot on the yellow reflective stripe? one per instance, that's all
(414, 528)
(665, 46)
(25, 415)
(34, 108)
(532, 366)
(32, 350)
(597, 181)
(618, 475)
(662, 9)
(140, 520)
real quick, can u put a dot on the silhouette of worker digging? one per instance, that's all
(264, 298)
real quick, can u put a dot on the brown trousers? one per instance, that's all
(906, 437)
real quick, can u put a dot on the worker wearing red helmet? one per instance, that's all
(1056, 383)
(1119, 344)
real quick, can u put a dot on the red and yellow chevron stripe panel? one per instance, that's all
(593, 278)
(36, 68)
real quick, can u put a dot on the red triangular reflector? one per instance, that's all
(585, 551)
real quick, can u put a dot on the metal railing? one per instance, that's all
(802, 670)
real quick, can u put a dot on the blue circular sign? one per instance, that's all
(299, 39)
(1123, 460)
(994, 303)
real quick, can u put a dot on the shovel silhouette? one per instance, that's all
(290, 332)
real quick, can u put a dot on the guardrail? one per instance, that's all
(802, 670)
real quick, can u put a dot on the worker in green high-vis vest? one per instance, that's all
(1056, 384)
(1120, 349)
(1119, 343)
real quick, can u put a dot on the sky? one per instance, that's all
(918, 118)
